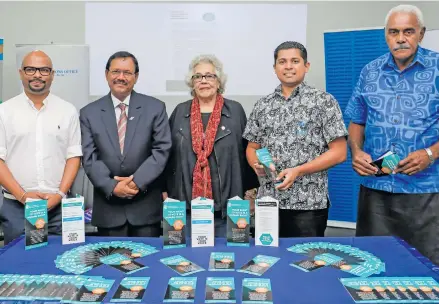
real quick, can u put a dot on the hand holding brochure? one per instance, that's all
(386, 163)
(269, 166)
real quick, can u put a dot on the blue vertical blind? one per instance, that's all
(346, 53)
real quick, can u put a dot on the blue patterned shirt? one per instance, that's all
(400, 111)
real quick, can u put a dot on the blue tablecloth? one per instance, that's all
(289, 284)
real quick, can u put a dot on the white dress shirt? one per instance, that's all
(35, 144)
(116, 103)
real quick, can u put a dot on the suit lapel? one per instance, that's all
(223, 127)
(108, 116)
(134, 113)
(185, 127)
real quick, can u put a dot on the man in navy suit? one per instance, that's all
(126, 142)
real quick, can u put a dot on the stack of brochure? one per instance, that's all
(392, 289)
(67, 289)
(343, 257)
(116, 254)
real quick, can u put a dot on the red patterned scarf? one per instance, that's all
(202, 181)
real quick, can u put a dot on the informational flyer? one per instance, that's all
(222, 261)
(256, 290)
(220, 290)
(181, 265)
(35, 223)
(131, 289)
(122, 263)
(174, 224)
(267, 222)
(259, 264)
(267, 162)
(181, 290)
(392, 289)
(202, 222)
(238, 222)
(73, 227)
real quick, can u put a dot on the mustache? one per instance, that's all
(38, 80)
(120, 81)
(402, 47)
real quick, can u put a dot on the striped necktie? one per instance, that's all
(122, 125)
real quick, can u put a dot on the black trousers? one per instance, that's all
(302, 223)
(127, 229)
(412, 217)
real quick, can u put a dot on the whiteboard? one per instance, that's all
(165, 37)
(431, 40)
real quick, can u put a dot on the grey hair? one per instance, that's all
(222, 78)
(407, 8)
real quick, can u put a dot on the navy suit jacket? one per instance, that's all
(146, 151)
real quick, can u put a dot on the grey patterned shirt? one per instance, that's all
(296, 131)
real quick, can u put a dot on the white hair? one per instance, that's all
(211, 59)
(406, 8)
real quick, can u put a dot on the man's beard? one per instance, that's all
(37, 90)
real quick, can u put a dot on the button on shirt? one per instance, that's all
(400, 111)
(296, 130)
(35, 144)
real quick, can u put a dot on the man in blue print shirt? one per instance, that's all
(395, 106)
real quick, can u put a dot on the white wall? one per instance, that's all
(64, 22)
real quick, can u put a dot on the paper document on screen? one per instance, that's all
(165, 37)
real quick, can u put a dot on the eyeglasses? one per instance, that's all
(44, 71)
(125, 73)
(199, 77)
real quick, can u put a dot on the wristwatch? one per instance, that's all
(430, 155)
(62, 194)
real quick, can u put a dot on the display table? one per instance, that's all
(289, 284)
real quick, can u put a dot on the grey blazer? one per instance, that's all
(146, 151)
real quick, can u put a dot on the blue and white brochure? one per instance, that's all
(73, 228)
(202, 220)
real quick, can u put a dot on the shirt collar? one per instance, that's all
(419, 58)
(297, 91)
(31, 103)
(116, 101)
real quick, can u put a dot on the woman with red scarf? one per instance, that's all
(208, 151)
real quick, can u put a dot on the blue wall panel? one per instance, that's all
(346, 53)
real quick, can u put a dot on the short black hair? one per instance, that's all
(123, 54)
(291, 45)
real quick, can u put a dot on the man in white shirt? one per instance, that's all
(40, 147)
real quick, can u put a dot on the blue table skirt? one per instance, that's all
(289, 284)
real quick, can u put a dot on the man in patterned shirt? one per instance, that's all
(303, 129)
(395, 107)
